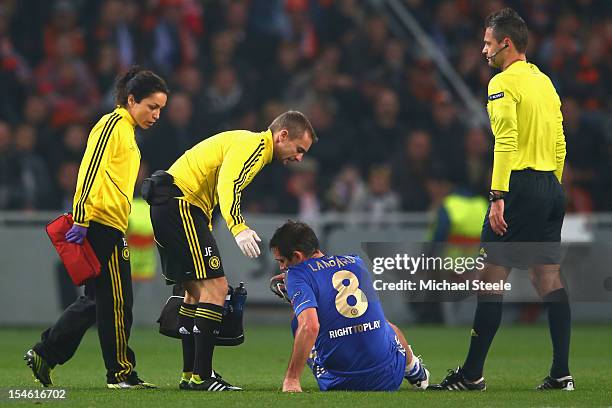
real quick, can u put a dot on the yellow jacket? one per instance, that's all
(217, 169)
(108, 171)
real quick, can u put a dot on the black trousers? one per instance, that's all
(108, 302)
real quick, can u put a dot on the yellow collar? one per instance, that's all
(269, 143)
(125, 115)
(518, 64)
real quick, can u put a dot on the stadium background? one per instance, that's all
(395, 90)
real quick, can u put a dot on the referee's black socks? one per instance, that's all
(559, 323)
(185, 328)
(486, 322)
(207, 324)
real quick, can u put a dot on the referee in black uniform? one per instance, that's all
(527, 202)
(101, 206)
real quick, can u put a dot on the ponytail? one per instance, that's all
(140, 83)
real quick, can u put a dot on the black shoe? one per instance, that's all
(212, 384)
(131, 384)
(455, 381)
(184, 384)
(40, 368)
(564, 383)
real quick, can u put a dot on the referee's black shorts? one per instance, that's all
(186, 246)
(534, 209)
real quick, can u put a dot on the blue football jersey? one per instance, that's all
(354, 337)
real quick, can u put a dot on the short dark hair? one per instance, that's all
(507, 23)
(296, 124)
(138, 82)
(294, 236)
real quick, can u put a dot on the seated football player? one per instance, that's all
(340, 328)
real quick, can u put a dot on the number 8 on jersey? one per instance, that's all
(351, 302)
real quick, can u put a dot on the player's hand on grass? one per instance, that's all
(76, 234)
(291, 385)
(496, 217)
(247, 242)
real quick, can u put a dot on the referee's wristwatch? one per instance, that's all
(496, 195)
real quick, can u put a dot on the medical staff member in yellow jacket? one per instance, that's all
(215, 171)
(101, 206)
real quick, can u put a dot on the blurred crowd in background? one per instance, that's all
(393, 135)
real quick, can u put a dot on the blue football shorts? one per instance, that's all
(388, 378)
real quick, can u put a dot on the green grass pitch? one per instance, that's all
(519, 359)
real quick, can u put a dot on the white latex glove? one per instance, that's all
(247, 242)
